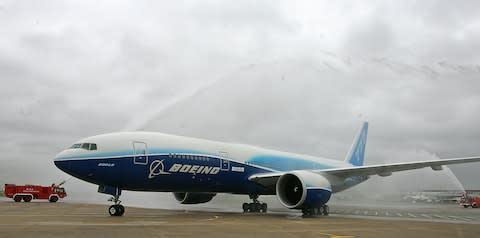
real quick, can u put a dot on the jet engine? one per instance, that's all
(194, 198)
(303, 189)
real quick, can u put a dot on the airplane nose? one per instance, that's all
(61, 163)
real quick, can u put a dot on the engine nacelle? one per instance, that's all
(194, 198)
(299, 189)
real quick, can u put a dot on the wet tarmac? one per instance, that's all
(43, 219)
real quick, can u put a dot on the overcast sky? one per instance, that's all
(288, 75)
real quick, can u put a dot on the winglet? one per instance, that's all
(356, 155)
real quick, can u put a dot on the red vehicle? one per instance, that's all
(29, 192)
(470, 201)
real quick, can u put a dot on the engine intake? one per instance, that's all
(300, 189)
(194, 198)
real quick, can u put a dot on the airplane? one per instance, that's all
(195, 170)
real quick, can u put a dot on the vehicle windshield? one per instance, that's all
(60, 190)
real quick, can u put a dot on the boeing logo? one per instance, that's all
(157, 168)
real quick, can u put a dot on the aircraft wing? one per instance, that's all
(269, 179)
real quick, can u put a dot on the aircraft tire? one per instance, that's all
(116, 210)
(307, 212)
(319, 211)
(121, 210)
(264, 207)
(113, 210)
(257, 206)
(245, 207)
(326, 210)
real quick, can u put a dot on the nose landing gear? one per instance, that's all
(255, 206)
(116, 209)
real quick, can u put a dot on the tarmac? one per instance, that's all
(43, 219)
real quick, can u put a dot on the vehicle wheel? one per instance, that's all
(465, 206)
(245, 207)
(474, 206)
(27, 198)
(17, 198)
(53, 199)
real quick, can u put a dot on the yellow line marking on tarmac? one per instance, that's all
(335, 236)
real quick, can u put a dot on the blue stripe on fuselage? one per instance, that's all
(283, 163)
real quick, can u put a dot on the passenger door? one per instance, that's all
(224, 162)
(140, 153)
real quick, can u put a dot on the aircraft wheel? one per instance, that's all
(121, 210)
(245, 207)
(113, 210)
(307, 212)
(263, 208)
(116, 210)
(258, 207)
(319, 211)
(326, 210)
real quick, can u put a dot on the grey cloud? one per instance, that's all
(370, 39)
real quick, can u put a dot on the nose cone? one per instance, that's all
(62, 162)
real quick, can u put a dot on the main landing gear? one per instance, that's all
(116, 209)
(322, 210)
(255, 206)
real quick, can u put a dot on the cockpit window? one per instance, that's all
(93, 146)
(86, 146)
(75, 146)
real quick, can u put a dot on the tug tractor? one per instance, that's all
(27, 193)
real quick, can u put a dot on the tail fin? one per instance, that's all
(356, 155)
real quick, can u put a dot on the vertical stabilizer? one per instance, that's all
(356, 155)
